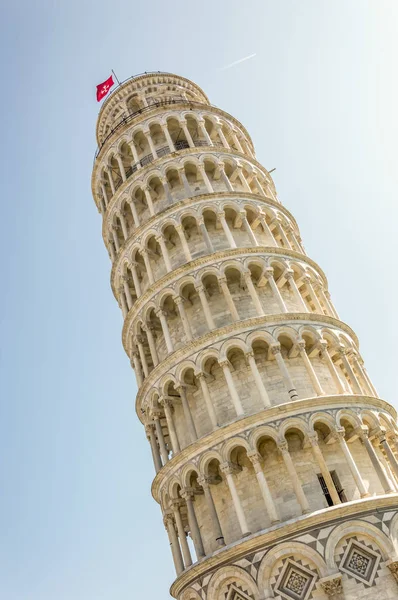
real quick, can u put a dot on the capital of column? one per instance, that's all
(300, 345)
(149, 428)
(168, 519)
(255, 458)
(229, 468)
(187, 493)
(224, 363)
(283, 447)
(268, 273)
(288, 274)
(313, 439)
(276, 349)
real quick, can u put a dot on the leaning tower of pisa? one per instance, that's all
(275, 460)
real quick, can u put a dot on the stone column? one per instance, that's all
(331, 366)
(293, 286)
(142, 357)
(257, 379)
(167, 135)
(174, 545)
(154, 447)
(281, 232)
(149, 200)
(317, 452)
(144, 254)
(222, 136)
(184, 243)
(165, 328)
(291, 469)
(228, 469)
(269, 275)
(165, 252)
(354, 381)
(340, 436)
(313, 296)
(181, 533)
(137, 369)
(190, 423)
(187, 134)
(168, 407)
(205, 235)
(225, 179)
(206, 180)
(231, 387)
(151, 342)
(268, 231)
(391, 458)
(206, 309)
(166, 188)
(121, 167)
(125, 309)
(291, 390)
(258, 186)
(253, 293)
(134, 153)
(185, 183)
(205, 134)
(188, 496)
(185, 323)
(360, 371)
(310, 369)
(216, 526)
(134, 213)
(248, 229)
(254, 457)
(207, 399)
(124, 226)
(136, 281)
(148, 136)
(104, 194)
(127, 292)
(159, 433)
(108, 171)
(237, 142)
(227, 295)
(226, 229)
(115, 239)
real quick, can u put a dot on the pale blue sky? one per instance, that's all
(320, 100)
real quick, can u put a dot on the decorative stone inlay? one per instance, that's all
(360, 562)
(332, 585)
(295, 581)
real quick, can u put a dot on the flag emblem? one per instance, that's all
(104, 87)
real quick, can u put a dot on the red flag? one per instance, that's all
(103, 88)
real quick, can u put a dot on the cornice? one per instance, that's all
(221, 333)
(281, 532)
(209, 259)
(263, 417)
(218, 150)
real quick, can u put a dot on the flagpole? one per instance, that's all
(115, 76)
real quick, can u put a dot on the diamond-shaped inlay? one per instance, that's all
(360, 562)
(295, 582)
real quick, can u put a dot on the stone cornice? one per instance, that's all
(222, 333)
(281, 532)
(209, 259)
(263, 417)
(162, 160)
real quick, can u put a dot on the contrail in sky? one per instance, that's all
(237, 62)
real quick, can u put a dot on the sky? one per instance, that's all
(319, 99)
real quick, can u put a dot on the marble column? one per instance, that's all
(231, 387)
(207, 399)
(317, 452)
(291, 469)
(290, 388)
(254, 458)
(228, 471)
(216, 526)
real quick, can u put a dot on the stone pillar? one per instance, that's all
(134, 153)
(185, 183)
(165, 252)
(269, 275)
(121, 167)
(167, 135)
(125, 309)
(391, 458)
(166, 188)
(148, 198)
(237, 142)
(136, 281)
(188, 496)
(151, 342)
(190, 423)
(226, 229)
(364, 380)
(154, 447)
(115, 239)
(127, 292)
(207, 399)
(227, 295)
(206, 308)
(148, 268)
(354, 381)
(293, 286)
(282, 233)
(108, 170)
(268, 231)
(253, 293)
(165, 328)
(187, 134)
(291, 469)
(137, 369)
(159, 433)
(124, 226)
(181, 533)
(317, 452)
(134, 213)
(142, 357)
(216, 526)
(225, 179)
(231, 387)
(148, 136)
(184, 243)
(248, 229)
(228, 469)
(206, 180)
(174, 545)
(257, 379)
(310, 369)
(340, 436)
(181, 310)
(314, 298)
(291, 390)
(205, 235)
(331, 366)
(254, 457)
(204, 132)
(221, 135)
(168, 407)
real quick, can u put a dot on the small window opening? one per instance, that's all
(337, 485)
